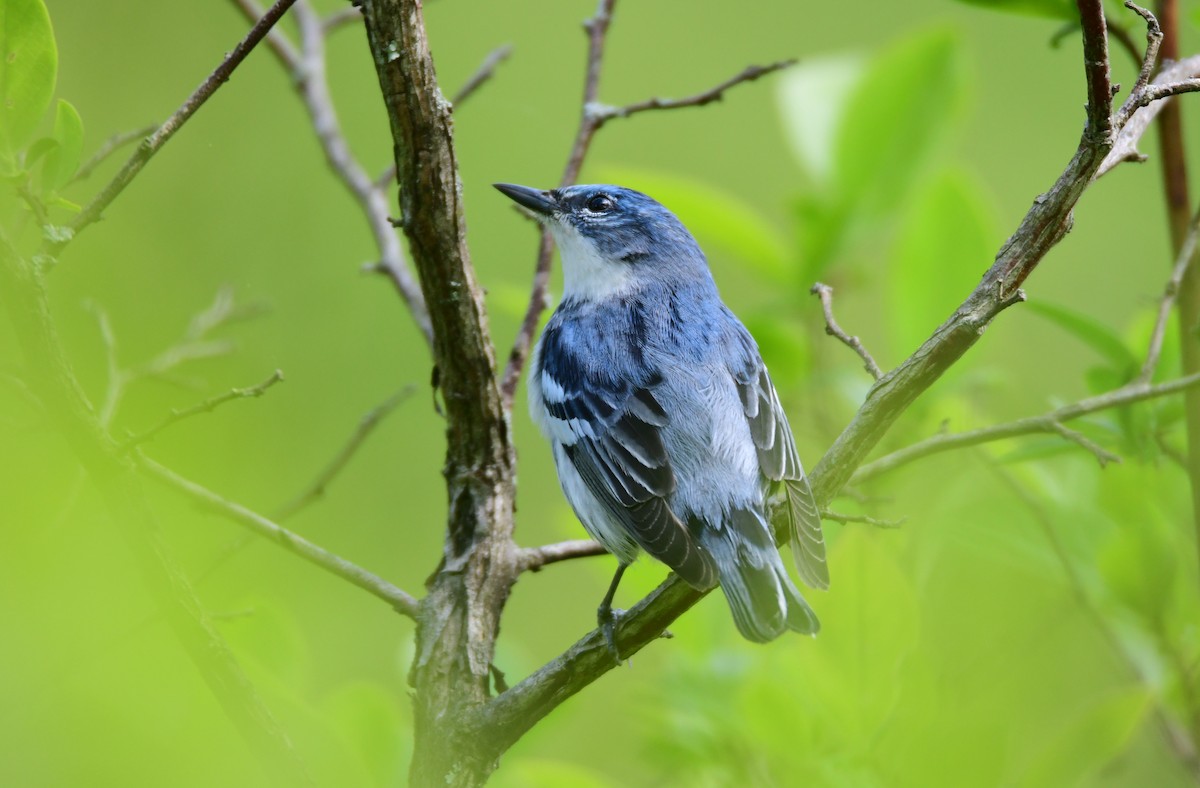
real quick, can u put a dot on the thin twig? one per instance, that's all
(366, 426)
(339, 19)
(1102, 455)
(308, 70)
(207, 406)
(108, 148)
(837, 517)
(532, 559)
(596, 29)
(716, 93)
(1051, 422)
(1095, 64)
(276, 40)
(1182, 261)
(152, 144)
(486, 71)
(400, 601)
(1125, 146)
(825, 293)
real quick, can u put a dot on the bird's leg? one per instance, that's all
(606, 617)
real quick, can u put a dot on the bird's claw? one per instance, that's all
(607, 618)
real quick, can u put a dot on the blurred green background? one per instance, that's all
(1034, 620)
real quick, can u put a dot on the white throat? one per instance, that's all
(586, 275)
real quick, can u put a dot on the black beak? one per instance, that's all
(538, 201)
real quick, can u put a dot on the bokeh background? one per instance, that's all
(1032, 622)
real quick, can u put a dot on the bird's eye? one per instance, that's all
(601, 203)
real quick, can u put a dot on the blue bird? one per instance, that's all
(666, 429)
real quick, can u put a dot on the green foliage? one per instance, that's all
(1096, 335)
(28, 69)
(64, 159)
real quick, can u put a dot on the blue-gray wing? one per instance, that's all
(795, 509)
(611, 432)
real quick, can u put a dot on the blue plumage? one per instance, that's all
(666, 430)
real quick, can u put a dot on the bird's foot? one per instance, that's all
(607, 618)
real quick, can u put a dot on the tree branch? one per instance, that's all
(603, 114)
(110, 146)
(152, 144)
(366, 426)
(825, 293)
(207, 406)
(1187, 252)
(1125, 147)
(399, 600)
(486, 71)
(532, 559)
(1051, 422)
(307, 69)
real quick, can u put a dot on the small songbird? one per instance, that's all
(666, 429)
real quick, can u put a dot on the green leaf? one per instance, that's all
(811, 99)
(1088, 743)
(946, 239)
(1090, 331)
(721, 221)
(897, 117)
(1054, 9)
(63, 161)
(28, 69)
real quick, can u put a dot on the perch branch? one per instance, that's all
(593, 117)
(207, 406)
(502, 721)
(366, 426)
(402, 602)
(153, 143)
(825, 293)
(532, 559)
(1052, 422)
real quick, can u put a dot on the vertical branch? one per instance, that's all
(1178, 204)
(459, 618)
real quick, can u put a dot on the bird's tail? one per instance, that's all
(762, 597)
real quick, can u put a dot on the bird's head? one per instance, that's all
(613, 240)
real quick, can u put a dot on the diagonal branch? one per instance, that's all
(825, 293)
(1187, 252)
(207, 406)
(152, 144)
(604, 114)
(486, 71)
(400, 601)
(108, 148)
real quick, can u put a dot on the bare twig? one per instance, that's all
(276, 40)
(1051, 422)
(152, 144)
(532, 559)
(1102, 455)
(861, 518)
(825, 293)
(308, 70)
(207, 406)
(108, 148)
(1187, 252)
(1125, 146)
(593, 116)
(339, 19)
(366, 426)
(400, 601)
(482, 74)
(749, 74)
(1095, 64)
